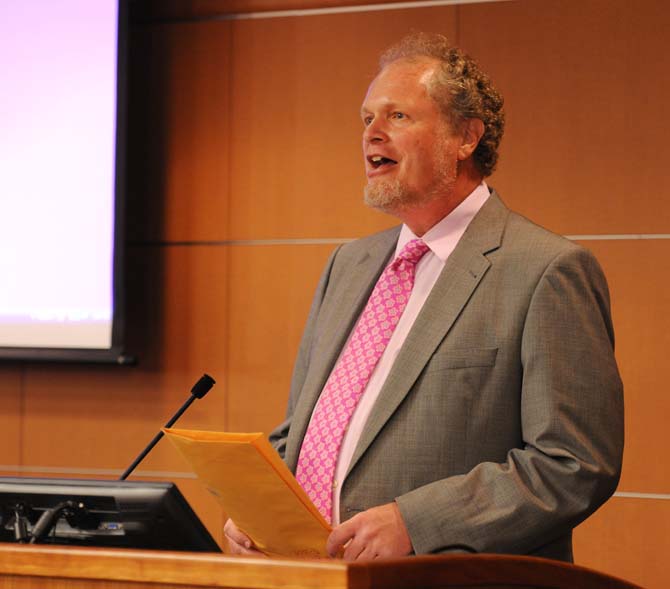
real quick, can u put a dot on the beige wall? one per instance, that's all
(245, 171)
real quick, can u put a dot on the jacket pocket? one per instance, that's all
(462, 358)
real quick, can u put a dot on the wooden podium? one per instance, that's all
(38, 567)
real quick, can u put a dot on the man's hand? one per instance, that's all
(239, 543)
(379, 532)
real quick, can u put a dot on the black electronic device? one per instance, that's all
(123, 514)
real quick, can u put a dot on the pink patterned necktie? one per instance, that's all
(349, 378)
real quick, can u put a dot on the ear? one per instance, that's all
(471, 132)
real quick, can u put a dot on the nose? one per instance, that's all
(374, 132)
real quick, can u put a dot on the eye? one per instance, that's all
(398, 115)
(367, 119)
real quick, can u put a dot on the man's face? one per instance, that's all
(409, 149)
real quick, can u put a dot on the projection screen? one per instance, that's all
(61, 179)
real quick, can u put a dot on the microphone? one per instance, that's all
(199, 390)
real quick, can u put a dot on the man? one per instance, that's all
(489, 416)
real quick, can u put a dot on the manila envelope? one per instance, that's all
(256, 489)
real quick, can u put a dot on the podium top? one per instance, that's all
(67, 568)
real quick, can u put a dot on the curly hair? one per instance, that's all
(459, 87)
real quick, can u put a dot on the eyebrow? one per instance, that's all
(387, 106)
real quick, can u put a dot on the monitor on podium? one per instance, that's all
(124, 514)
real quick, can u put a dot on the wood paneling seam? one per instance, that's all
(633, 495)
(227, 242)
(340, 240)
(619, 236)
(168, 474)
(325, 11)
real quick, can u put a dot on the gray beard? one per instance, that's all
(387, 196)
(392, 196)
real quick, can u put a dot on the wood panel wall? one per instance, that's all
(245, 171)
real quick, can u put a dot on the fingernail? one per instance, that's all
(247, 544)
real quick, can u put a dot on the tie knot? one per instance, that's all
(412, 252)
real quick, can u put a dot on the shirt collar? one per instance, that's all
(444, 235)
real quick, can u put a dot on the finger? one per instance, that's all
(238, 541)
(239, 549)
(233, 533)
(339, 537)
(367, 553)
(353, 549)
(234, 547)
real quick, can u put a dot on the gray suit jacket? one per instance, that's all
(500, 425)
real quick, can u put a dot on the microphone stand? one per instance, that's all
(199, 390)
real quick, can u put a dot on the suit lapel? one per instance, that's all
(460, 276)
(346, 302)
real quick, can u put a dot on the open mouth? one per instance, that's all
(378, 161)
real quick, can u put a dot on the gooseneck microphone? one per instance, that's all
(199, 390)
